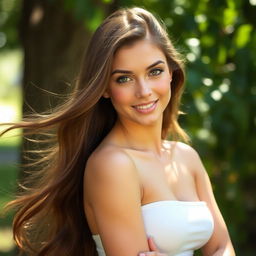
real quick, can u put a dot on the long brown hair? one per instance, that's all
(49, 217)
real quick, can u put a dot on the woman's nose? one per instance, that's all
(143, 89)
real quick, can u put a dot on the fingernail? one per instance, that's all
(142, 254)
(150, 237)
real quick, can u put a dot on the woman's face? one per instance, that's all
(139, 85)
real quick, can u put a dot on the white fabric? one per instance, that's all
(177, 227)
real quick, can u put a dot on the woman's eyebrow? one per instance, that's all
(130, 72)
(155, 63)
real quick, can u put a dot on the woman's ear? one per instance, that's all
(106, 94)
(170, 69)
(170, 76)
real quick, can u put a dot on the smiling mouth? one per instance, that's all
(146, 106)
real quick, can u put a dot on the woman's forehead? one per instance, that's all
(140, 53)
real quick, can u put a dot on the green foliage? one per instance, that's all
(9, 16)
(87, 11)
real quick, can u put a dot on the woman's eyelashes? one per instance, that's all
(156, 72)
(152, 73)
(123, 79)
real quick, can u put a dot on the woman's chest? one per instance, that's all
(167, 178)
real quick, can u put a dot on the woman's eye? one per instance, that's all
(123, 79)
(156, 72)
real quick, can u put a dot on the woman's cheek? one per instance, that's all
(121, 96)
(164, 86)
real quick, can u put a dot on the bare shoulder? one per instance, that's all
(109, 160)
(109, 166)
(185, 154)
(182, 148)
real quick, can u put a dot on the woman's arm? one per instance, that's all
(220, 243)
(113, 189)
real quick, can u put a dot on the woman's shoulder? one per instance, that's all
(180, 147)
(110, 160)
(184, 153)
(109, 170)
(109, 154)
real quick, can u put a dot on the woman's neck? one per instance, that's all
(138, 137)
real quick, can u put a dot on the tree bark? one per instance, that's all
(53, 42)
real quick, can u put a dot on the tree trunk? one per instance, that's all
(53, 42)
(53, 46)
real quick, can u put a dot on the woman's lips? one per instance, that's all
(146, 107)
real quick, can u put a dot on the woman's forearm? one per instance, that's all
(227, 251)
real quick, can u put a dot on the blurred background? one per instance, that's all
(41, 45)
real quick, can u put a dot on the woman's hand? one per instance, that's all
(153, 249)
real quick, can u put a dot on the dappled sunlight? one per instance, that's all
(37, 15)
(10, 94)
(10, 111)
(172, 172)
(6, 241)
(8, 114)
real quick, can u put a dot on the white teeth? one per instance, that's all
(145, 106)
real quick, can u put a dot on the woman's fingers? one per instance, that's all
(152, 254)
(152, 245)
(153, 249)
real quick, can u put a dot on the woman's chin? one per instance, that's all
(148, 120)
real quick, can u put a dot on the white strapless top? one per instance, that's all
(177, 227)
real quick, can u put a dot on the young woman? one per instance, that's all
(112, 179)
